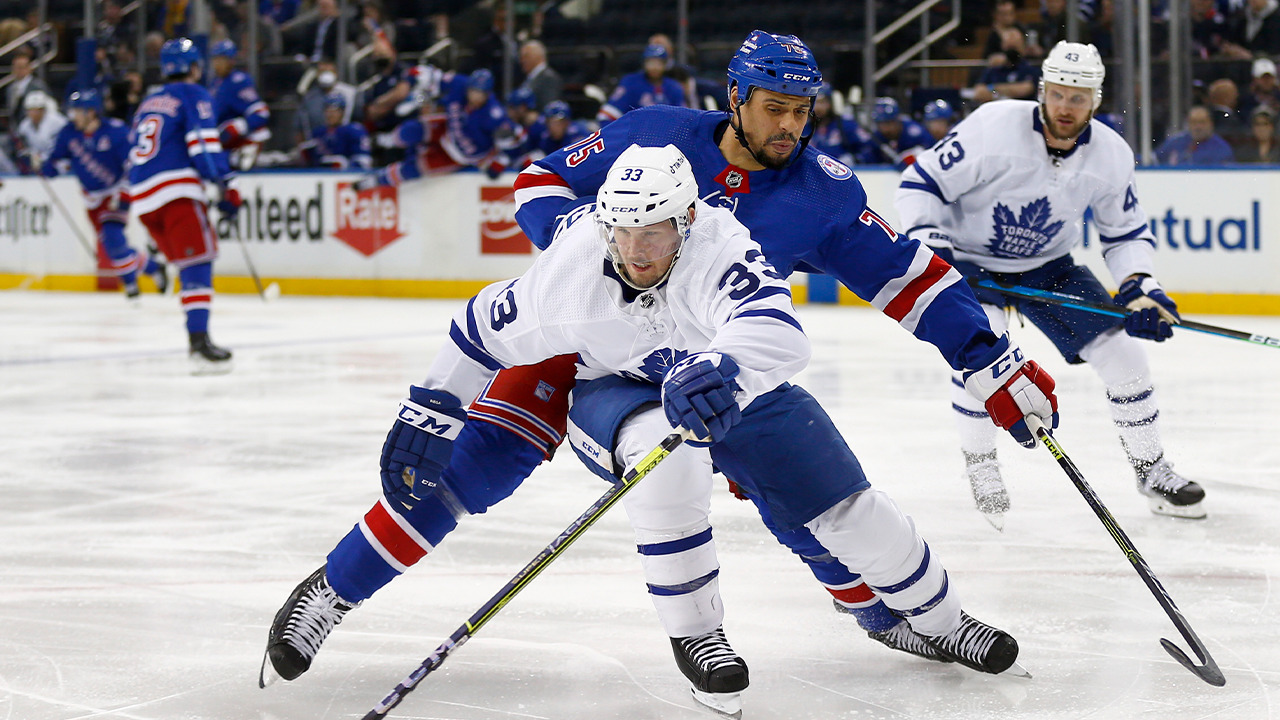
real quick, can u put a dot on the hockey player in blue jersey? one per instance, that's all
(96, 148)
(897, 138)
(336, 145)
(807, 211)
(650, 86)
(562, 129)
(241, 114)
(838, 135)
(175, 150)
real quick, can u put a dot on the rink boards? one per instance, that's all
(449, 236)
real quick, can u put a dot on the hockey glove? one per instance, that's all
(232, 133)
(366, 182)
(699, 394)
(420, 444)
(1012, 388)
(1154, 313)
(229, 201)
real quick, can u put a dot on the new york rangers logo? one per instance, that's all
(544, 391)
(1024, 235)
(836, 169)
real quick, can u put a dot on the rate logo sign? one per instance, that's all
(367, 221)
(499, 233)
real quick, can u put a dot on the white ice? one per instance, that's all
(151, 523)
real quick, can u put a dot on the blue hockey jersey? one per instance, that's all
(175, 145)
(901, 152)
(810, 215)
(635, 91)
(345, 147)
(843, 139)
(238, 110)
(472, 136)
(98, 160)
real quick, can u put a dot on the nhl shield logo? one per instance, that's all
(733, 179)
(836, 169)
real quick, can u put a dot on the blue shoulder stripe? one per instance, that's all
(766, 292)
(469, 349)
(1127, 236)
(775, 314)
(929, 185)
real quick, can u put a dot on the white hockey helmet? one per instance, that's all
(646, 186)
(1074, 65)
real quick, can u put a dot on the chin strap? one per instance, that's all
(742, 139)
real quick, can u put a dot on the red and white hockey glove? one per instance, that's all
(233, 132)
(1012, 388)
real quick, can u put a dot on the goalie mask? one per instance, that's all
(643, 212)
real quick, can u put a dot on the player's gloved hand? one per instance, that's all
(1012, 388)
(937, 241)
(420, 444)
(366, 182)
(334, 162)
(1154, 313)
(699, 393)
(229, 200)
(494, 169)
(232, 133)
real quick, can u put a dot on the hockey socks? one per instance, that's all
(197, 295)
(387, 541)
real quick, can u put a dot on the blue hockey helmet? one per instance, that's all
(88, 99)
(177, 56)
(522, 97)
(655, 51)
(335, 100)
(481, 79)
(780, 63)
(885, 110)
(224, 48)
(557, 109)
(939, 110)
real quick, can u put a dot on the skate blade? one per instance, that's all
(1016, 670)
(996, 520)
(201, 366)
(726, 704)
(1160, 506)
(268, 675)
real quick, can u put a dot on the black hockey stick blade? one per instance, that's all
(1071, 301)
(528, 573)
(1208, 669)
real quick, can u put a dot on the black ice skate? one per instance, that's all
(1167, 492)
(902, 637)
(300, 627)
(161, 279)
(989, 493)
(717, 673)
(207, 358)
(978, 646)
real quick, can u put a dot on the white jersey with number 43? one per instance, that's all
(721, 296)
(993, 192)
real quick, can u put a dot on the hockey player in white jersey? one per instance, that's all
(1001, 197)
(677, 320)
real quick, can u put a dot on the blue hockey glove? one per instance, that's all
(420, 444)
(1154, 313)
(229, 200)
(699, 394)
(1012, 388)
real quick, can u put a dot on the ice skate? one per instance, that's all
(161, 278)
(979, 646)
(300, 627)
(989, 493)
(1168, 493)
(132, 295)
(207, 358)
(900, 637)
(718, 676)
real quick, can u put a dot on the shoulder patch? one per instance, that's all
(836, 169)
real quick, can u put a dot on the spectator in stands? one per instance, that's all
(1004, 16)
(1261, 147)
(648, 87)
(23, 82)
(1198, 145)
(374, 25)
(1100, 27)
(278, 12)
(319, 38)
(562, 129)
(311, 114)
(1208, 29)
(338, 144)
(1016, 78)
(1263, 90)
(897, 138)
(1223, 99)
(1253, 30)
(114, 28)
(539, 77)
(1051, 29)
(939, 118)
(413, 34)
(491, 50)
(836, 135)
(38, 130)
(390, 89)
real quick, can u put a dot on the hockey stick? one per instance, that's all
(1207, 671)
(1071, 301)
(272, 291)
(528, 573)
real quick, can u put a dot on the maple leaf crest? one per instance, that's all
(1026, 234)
(656, 364)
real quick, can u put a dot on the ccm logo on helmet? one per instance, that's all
(790, 76)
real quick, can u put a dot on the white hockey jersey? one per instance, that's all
(721, 296)
(992, 192)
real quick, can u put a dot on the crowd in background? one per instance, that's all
(392, 100)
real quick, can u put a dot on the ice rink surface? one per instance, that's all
(152, 522)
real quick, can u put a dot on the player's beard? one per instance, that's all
(1071, 134)
(771, 161)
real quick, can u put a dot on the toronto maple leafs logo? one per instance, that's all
(1025, 235)
(655, 366)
